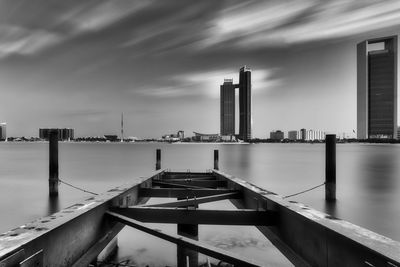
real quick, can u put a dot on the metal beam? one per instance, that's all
(195, 201)
(181, 192)
(199, 216)
(187, 242)
(175, 185)
(196, 183)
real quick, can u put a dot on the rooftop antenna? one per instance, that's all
(122, 127)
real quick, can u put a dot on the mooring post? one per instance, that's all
(53, 162)
(158, 159)
(216, 159)
(330, 167)
(187, 257)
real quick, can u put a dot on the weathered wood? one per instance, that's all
(53, 162)
(35, 260)
(330, 167)
(216, 159)
(187, 242)
(196, 201)
(181, 192)
(158, 159)
(199, 216)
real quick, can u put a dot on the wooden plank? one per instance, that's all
(199, 216)
(196, 201)
(197, 183)
(187, 242)
(181, 192)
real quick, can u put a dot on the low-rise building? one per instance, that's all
(277, 135)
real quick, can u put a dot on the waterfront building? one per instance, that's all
(293, 135)
(181, 134)
(201, 137)
(245, 104)
(3, 131)
(276, 135)
(303, 134)
(377, 88)
(227, 106)
(65, 134)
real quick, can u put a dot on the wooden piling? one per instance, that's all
(53, 162)
(187, 257)
(330, 167)
(216, 159)
(158, 159)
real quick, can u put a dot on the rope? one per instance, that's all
(312, 188)
(81, 189)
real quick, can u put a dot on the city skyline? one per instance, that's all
(80, 64)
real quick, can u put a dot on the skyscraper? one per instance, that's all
(377, 88)
(245, 103)
(228, 107)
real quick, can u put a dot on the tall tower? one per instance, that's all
(245, 104)
(228, 107)
(377, 88)
(122, 127)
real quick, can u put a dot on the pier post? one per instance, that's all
(330, 167)
(216, 159)
(158, 159)
(187, 257)
(53, 162)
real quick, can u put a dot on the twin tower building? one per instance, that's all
(228, 106)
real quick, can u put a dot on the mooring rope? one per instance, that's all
(78, 188)
(305, 191)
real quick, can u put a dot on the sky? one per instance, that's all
(81, 63)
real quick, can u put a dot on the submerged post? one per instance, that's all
(216, 159)
(53, 162)
(330, 167)
(158, 159)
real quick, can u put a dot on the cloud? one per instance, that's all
(21, 41)
(258, 24)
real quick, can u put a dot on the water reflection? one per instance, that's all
(53, 205)
(379, 172)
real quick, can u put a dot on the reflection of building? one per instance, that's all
(377, 88)
(277, 135)
(199, 137)
(65, 134)
(228, 105)
(3, 131)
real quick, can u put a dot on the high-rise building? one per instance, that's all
(3, 131)
(292, 135)
(245, 103)
(228, 107)
(377, 88)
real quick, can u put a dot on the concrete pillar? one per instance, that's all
(216, 159)
(330, 167)
(158, 159)
(53, 162)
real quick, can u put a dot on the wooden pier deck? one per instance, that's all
(76, 235)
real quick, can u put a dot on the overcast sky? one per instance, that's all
(81, 63)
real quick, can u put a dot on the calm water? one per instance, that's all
(368, 185)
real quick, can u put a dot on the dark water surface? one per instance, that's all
(368, 187)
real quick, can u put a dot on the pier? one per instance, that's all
(77, 235)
